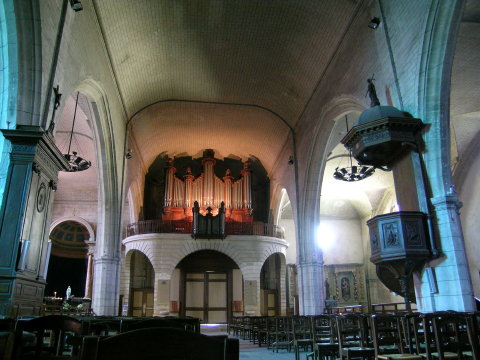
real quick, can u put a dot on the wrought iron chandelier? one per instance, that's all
(76, 162)
(353, 172)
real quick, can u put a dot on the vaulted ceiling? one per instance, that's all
(265, 53)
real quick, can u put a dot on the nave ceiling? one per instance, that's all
(239, 72)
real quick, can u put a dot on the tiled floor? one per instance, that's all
(248, 350)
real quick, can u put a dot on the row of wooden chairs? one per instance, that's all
(440, 335)
(64, 337)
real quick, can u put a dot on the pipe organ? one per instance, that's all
(209, 191)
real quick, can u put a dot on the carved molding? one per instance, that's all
(41, 197)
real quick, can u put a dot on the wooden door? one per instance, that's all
(206, 296)
(142, 302)
(270, 302)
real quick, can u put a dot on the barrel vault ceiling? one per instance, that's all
(235, 75)
(267, 53)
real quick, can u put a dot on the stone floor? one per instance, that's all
(248, 350)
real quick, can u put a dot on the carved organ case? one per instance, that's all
(209, 191)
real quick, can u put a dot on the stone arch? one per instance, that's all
(317, 155)
(227, 251)
(77, 219)
(8, 82)
(436, 65)
(107, 253)
(26, 107)
(309, 257)
(434, 89)
(140, 247)
(278, 199)
(69, 253)
(281, 283)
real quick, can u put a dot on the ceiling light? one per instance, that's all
(76, 5)
(373, 24)
(353, 172)
(77, 163)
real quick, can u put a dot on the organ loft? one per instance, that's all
(209, 191)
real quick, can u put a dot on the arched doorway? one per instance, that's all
(342, 235)
(142, 279)
(270, 285)
(68, 259)
(208, 281)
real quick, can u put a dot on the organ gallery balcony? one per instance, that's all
(185, 227)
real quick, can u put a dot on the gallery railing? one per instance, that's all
(185, 227)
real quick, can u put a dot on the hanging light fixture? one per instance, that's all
(77, 163)
(353, 172)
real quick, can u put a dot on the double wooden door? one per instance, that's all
(142, 302)
(206, 296)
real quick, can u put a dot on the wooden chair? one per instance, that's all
(153, 323)
(281, 335)
(7, 336)
(258, 324)
(353, 337)
(51, 333)
(232, 346)
(454, 336)
(260, 330)
(268, 334)
(101, 326)
(154, 343)
(388, 339)
(474, 336)
(302, 337)
(325, 342)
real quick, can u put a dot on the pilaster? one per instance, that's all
(310, 284)
(105, 285)
(25, 218)
(453, 283)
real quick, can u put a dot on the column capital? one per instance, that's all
(448, 201)
(108, 260)
(304, 264)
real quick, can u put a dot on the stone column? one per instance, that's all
(105, 285)
(25, 219)
(89, 279)
(310, 283)
(310, 268)
(453, 283)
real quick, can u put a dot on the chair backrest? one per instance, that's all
(324, 329)
(154, 343)
(101, 326)
(7, 324)
(151, 323)
(352, 330)
(57, 326)
(453, 333)
(418, 332)
(386, 330)
(301, 327)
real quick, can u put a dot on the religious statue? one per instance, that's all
(345, 288)
(69, 292)
(372, 93)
